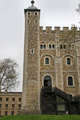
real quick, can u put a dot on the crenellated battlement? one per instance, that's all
(64, 29)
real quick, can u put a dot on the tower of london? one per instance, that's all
(51, 66)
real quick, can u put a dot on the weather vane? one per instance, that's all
(32, 2)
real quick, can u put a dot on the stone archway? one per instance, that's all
(47, 81)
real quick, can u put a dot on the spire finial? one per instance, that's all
(32, 2)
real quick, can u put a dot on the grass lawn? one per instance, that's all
(42, 117)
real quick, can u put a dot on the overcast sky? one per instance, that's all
(53, 13)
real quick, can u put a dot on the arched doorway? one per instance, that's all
(47, 81)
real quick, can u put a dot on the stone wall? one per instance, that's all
(58, 68)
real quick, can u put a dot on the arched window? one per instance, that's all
(64, 46)
(46, 60)
(44, 46)
(41, 46)
(50, 46)
(68, 61)
(47, 81)
(53, 46)
(70, 81)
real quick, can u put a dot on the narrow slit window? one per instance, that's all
(32, 51)
(28, 21)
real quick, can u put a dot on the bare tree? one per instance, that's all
(78, 9)
(8, 74)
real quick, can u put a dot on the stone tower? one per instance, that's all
(31, 77)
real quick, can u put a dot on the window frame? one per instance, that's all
(0, 105)
(61, 46)
(6, 113)
(31, 51)
(7, 99)
(67, 61)
(45, 61)
(72, 79)
(12, 112)
(29, 13)
(64, 46)
(13, 105)
(6, 105)
(50, 46)
(13, 99)
(35, 13)
(53, 47)
(19, 99)
(0, 99)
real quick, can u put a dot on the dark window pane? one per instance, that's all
(12, 105)
(50, 46)
(13, 99)
(12, 112)
(60, 46)
(19, 105)
(6, 105)
(32, 51)
(28, 21)
(0, 99)
(70, 81)
(29, 13)
(35, 21)
(6, 113)
(68, 61)
(46, 60)
(0, 105)
(53, 46)
(41, 46)
(7, 99)
(64, 46)
(35, 13)
(47, 81)
(19, 99)
(44, 46)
